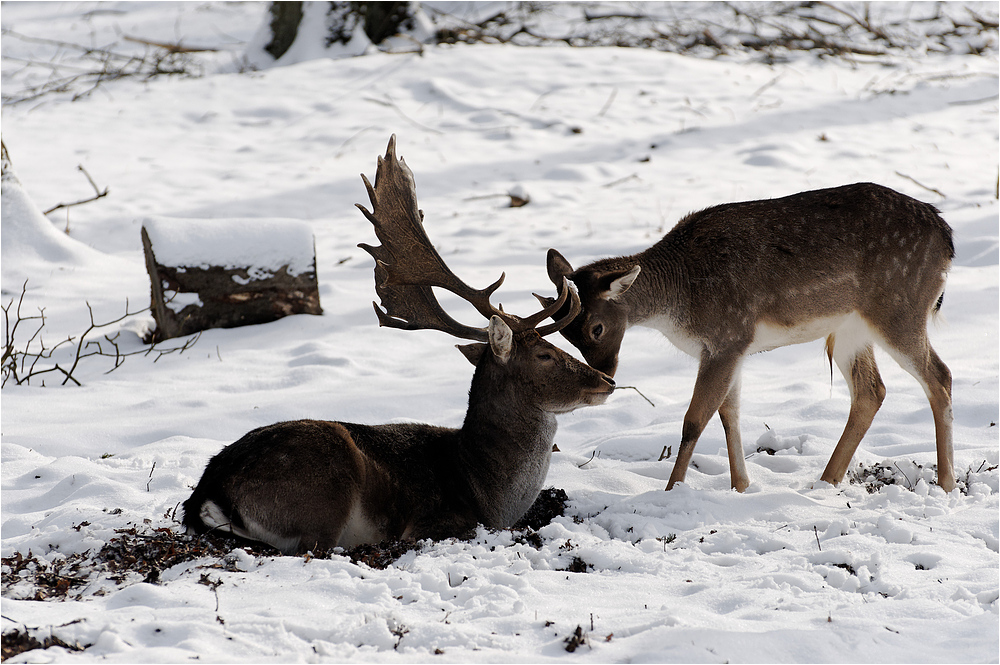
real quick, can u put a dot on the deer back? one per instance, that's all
(292, 485)
(725, 275)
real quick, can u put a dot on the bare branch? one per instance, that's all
(171, 48)
(93, 66)
(770, 29)
(98, 194)
(919, 184)
(24, 360)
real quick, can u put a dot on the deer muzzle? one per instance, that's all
(600, 393)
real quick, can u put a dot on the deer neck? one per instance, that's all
(659, 291)
(506, 445)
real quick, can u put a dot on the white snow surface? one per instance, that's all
(266, 245)
(612, 146)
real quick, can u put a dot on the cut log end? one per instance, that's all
(188, 299)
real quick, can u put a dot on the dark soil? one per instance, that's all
(15, 642)
(550, 504)
(150, 552)
(874, 477)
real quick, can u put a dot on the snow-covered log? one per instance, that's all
(224, 273)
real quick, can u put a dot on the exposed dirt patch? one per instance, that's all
(550, 504)
(874, 477)
(136, 555)
(16, 642)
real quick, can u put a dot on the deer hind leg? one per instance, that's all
(867, 392)
(711, 389)
(729, 413)
(938, 389)
(919, 359)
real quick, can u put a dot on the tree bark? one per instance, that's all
(385, 19)
(379, 19)
(285, 20)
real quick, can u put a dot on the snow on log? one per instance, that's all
(224, 273)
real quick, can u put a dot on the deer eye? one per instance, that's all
(597, 331)
(544, 355)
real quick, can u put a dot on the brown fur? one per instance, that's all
(855, 264)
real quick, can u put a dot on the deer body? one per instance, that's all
(316, 484)
(857, 265)
(306, 484)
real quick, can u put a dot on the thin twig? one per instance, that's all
(607, 104)
(391, 104)
(98, 194)
(970, 102)
(614, 183)
(905, 477)
(638, 391)
(108, 65)
(485, 196)
(920, 184)
(21, 362)
(61, 44)
(171, 48)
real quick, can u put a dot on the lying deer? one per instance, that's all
(314, 484)
(858, 265)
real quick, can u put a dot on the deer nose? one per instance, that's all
(607, 366)
(609, 381)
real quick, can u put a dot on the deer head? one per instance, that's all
(407, 267)
(598, 330)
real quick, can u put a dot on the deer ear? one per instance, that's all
(558, 267)
(619, 282)
(501, 339)
(472, 352)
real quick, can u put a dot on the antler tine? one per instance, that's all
(416, 308)
(574, 310)
(406, 263)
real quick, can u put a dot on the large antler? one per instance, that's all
(407, 265)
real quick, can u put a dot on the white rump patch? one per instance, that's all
(214, 518)
(359, 529)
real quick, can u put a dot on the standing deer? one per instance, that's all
(858, 264)
(316, 484)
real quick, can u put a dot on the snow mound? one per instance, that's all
(28, 236)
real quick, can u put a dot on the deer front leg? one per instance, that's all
(715, 380)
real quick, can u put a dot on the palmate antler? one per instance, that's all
(407, 265)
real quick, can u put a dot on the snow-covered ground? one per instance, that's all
(612, 146)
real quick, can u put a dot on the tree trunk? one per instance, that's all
(385, 19)
(379, 19)
(285, 19)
